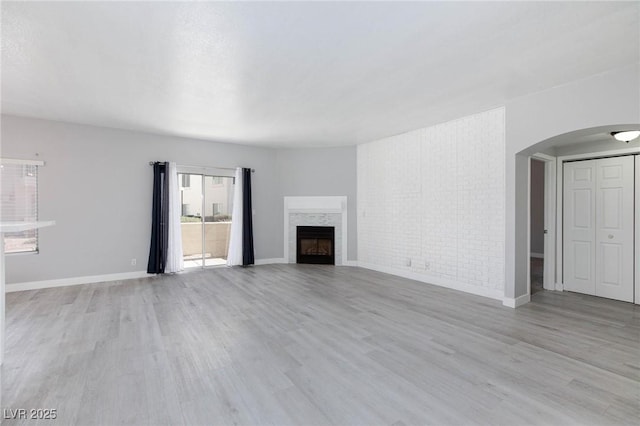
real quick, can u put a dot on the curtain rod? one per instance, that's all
(151, 163)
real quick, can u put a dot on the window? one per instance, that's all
(216, 180)
(186, 180)
(19, 202)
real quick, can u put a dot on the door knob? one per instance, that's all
(610, 236)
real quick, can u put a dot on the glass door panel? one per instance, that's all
(191, 219)
(218, 200)
(206, 218)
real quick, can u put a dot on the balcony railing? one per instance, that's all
(216, 239)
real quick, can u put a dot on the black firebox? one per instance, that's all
(315, 244)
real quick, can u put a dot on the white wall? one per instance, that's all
(435, 197)
(97, 185)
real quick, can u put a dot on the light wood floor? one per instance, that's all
(314, 345)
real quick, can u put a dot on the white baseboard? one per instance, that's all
(63, 282)
(283, 260)
(515, 302)
(559, 286)
(435, 280)
(537, 255)
(270, 261)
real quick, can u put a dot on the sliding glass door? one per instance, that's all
(206, 218)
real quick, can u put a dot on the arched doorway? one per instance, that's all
(586, 143)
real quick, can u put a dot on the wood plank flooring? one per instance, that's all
(316, 345)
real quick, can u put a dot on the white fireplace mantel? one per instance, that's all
(337, 204)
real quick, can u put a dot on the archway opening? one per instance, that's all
(595, 141)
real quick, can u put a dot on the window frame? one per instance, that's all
(33, 166)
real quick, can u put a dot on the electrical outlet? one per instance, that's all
(133, 262)
(417, 263)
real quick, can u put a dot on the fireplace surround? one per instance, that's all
(315, 211)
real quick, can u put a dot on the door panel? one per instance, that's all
(582, 205)
(611, 258)
(582, 255)
(191, 219)
(579, 226)
(637, 226)
(614, 228)
(218, 197)
(549, 278)
(612, 207)
(582, 173)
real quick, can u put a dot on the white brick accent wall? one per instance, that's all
(431, 204)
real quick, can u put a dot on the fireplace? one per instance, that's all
(315, 244)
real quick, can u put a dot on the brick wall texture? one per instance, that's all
(432, 201)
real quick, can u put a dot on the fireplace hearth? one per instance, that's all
(315, 245)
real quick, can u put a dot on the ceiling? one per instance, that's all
(298, 74)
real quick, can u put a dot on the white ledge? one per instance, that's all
(24, 226)
(315, 203)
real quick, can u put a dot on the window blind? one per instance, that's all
(19, 202)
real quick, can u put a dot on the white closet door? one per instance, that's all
(579, 226)
(614, 228)
(598, 246)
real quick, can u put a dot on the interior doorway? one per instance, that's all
(537, 225)
(542, 224)
(583, 144)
